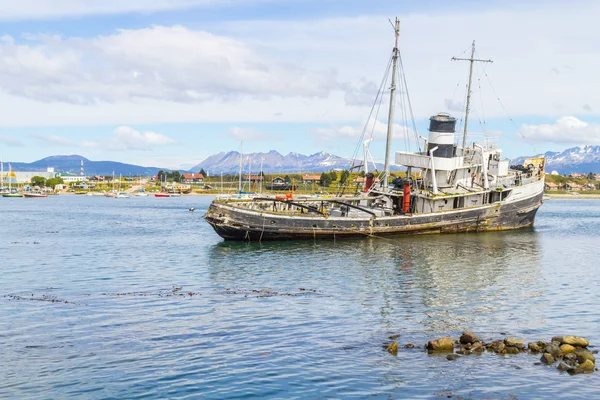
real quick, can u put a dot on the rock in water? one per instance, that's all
(570, 359)
(563, 367)
(393, 349)
(553, 349)
(409, 346)
(566, 349)
(477, 347)
(514, 342)
(587, 366)
(512, 350)
(534, 347)
(442, 344)
(575, 341)
(584, 355)
(468, 338)
(547, 358)
(452, 357)
(497, 346)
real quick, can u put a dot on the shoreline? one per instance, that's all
(571, 196)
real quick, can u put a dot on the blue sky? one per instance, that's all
(169, 82)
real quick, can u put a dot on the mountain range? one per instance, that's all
(273, 162)
(72, 164)
(582, 159)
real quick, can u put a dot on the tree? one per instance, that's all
(333, 175)
(591, 176)
(325, 179)
(203, 172)
(176, 175)
(344, 176)
(38, 181)
(52, 182)
(162, 175)
(287, 179)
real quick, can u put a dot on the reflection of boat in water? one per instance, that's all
(460, 189)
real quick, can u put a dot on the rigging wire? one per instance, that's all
(503, 107)
(412, 115)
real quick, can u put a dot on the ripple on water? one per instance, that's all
(280, 320)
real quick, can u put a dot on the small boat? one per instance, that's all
(141, 194)
(34, 195)
(162, 194)
(122, 195)
(13, 193)
(112, 193)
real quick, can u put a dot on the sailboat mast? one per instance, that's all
(390, 127)
(471, 61)
(241, 161)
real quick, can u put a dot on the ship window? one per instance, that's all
(314, 225)
(272, 222)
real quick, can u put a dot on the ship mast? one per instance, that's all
(390, 127)
(471, 60)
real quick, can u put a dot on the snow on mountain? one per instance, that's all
(580, 159)
(273, 163)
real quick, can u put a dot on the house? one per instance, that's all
(551, 186)
(306, 178)
(573, 186)
(192, 178)
(589, 186)
(278, 181)
(253, 178)
(361, 180)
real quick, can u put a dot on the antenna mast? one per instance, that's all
(390, 127)
(471, 60)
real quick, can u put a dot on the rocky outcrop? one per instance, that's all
(445, 344)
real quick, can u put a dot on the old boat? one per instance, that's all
(448, 188)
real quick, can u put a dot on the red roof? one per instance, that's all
(193, 176)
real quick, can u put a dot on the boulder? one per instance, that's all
(583, 355)
(393, 349)
(409, 346)
(512, 350)
(477, 347)
(396, 336)
(534, 347)
(570, 359)
(547, 358)
(563, 367)
(553, 349)
(452, 357)
(443, 344)
(575, 341)
(587, 366)
(566, 349)
(497, 347)
(468, 338)
(514, 342)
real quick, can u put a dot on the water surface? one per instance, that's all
(138, 298)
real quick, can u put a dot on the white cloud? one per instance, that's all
(48, 9)
(10, 141)
(374, 128)
(127, 138)
(567, 129)
(164, 63)
(53, 140)
(241, 134)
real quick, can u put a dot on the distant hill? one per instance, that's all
(273, 163)
(72, 164)
(581, 159)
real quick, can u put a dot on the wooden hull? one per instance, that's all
(235, 223)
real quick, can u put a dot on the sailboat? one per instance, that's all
(456, 189)
(12, 192)
(3, 190)
(141, 192)
(120, 194)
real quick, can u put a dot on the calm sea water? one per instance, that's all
(150, 303)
